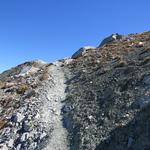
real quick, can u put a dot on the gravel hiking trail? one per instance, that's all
(55, 93)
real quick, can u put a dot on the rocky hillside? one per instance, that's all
(96, 100)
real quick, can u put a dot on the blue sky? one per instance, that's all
(53, 29)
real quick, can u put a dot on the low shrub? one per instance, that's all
(3, 124)
(2, 85)
(22, 89)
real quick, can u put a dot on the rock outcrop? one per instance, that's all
(81, 51)
(110, 39)
(97, 100)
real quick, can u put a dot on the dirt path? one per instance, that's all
(56, 93)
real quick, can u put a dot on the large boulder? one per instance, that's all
(110, 38)
(80, 52)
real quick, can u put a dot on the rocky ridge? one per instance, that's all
(31, 108)
(96, 100)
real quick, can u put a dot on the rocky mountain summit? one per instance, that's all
(99, 99)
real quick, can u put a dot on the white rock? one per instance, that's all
(98, 61)
(33, 145)
(131, 44)
(18, 147)
(24, 71)
(10, 143)
(57, 113)
(43, 135)
(17, 124)
(141, 44)
(6, 131)
(68, 61)
(27, 70)
(20, 117)
(37, 116)
(88, 47)
(90, 117)
(24, 137)
(40, 62)
(57, 63)
(127, 115)
(3, 147)
(114, 36)
(1, 109)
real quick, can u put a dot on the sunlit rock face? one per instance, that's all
(99, 99)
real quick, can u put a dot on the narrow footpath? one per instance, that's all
(52, 109)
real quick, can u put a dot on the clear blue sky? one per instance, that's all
(53, 29)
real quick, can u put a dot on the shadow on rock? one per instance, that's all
(133, 136)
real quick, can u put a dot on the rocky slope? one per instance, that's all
(97, 100)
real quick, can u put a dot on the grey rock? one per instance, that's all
(110, 38)
(18, 147)
(67, 108)
(81, 51)
(33, 145)
(29, 93)
(1, 109)
(146, 80)
(11, 143)
(130, 141)
(17, 117)
(142, 102)
(43, 135)
(26, 126)
(24, 137)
